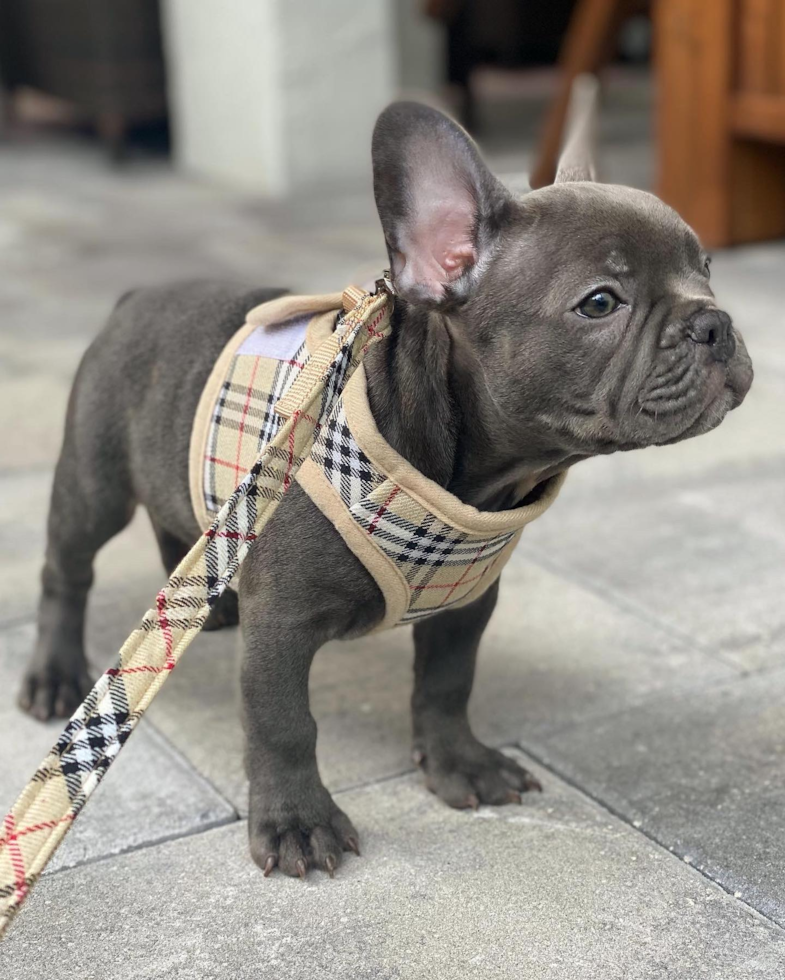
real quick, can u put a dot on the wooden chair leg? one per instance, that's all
(587, 45)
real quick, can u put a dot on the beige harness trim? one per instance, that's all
(388, 577)
(434, 498)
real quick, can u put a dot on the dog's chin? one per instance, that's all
(736, 384)
(686, 425)
(690, 425)
(711, 416)
(722, 391)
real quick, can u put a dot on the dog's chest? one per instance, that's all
(426, 550)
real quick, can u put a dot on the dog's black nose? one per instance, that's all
(715, 329)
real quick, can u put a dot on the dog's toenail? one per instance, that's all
(269, 864)
(301, 868)
(354, 845)
(329, 863)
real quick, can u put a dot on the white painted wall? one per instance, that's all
(421, 49)
(273, 95)
(337, 75)
(222, 63)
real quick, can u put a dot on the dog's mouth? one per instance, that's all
(694, 397)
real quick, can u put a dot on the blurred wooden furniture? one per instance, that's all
(589, 43)
(721, 116)
(104, 56)
(505, 33)
(720, 78)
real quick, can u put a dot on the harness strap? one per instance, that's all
(100, 726)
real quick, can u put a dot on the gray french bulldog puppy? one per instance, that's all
(530, 332)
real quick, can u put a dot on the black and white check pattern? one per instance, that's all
(429, 543)
(222, 552)
(419, 549)
(93, 740)
(344, 464)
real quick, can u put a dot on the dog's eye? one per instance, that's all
(601, 303)
(707, 267)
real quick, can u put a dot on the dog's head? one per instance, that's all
(586, 307)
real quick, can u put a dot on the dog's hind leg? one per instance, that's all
(225, 612)
(91, 501)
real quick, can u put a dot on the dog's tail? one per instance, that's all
(577, 158)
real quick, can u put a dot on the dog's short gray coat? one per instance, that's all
(529, 333)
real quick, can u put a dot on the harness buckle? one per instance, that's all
(384, 284)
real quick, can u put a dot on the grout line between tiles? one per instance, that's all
(147, 844)
(630, 606)
(186, 763)
(517, 746)
(660, 845)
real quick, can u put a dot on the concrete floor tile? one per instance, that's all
(151, 794)
(552, 654)
(702, 774)
(555, 889)
(33, 401)
(128, 571)
(704, 556)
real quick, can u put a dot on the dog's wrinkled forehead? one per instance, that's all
(586, 232)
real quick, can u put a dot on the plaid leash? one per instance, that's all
(39, 820)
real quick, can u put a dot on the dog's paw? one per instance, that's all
(47, 692)
(225, 612)
(466, 776)
(297, 845)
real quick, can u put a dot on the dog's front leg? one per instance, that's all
(293, 821)
(300, 587)
(458, 768)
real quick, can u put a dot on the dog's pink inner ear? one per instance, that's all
(437, 249)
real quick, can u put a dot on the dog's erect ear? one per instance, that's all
(440, 206)
(577, 159)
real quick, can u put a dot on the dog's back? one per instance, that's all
(139, 382)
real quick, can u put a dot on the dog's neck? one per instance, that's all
(430, 400)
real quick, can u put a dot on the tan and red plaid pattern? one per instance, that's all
(444, 566)
(91, 740)
(244, 419)
(425, 556)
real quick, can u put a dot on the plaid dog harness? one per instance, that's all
(426, 550)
